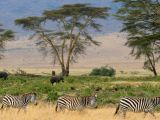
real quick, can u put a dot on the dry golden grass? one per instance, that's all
(134, 83)
(46, 112)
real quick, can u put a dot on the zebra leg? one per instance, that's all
(18, 110)
(124, 114)
(7, 107)
(145, 113)
(25, 110)
(4, 107)
(61, 108)
(80, 108)
(152, 113)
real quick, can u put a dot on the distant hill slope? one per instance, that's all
(24, 54)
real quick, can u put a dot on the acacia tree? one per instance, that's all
(5, 35)
(141, 20)
(70, 35)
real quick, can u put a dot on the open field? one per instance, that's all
(46, 112)
(109, 93)
(79, 71)
(110, 90)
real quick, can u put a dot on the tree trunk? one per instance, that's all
(67, 71)
(68, 61)
(154, 71)
(152, 63)
(63, 70)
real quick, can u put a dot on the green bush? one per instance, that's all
(103, 71)
(52, 96)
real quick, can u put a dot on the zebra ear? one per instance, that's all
(34, 93)
(95, 94)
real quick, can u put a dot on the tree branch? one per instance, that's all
(52, 45)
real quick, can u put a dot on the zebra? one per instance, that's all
(145, 105)
(76, 102)
(19, 101)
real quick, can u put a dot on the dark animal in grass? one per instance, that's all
(3, 75)
(56, 79)
(53, 73)
(72, 88)
(98, 89)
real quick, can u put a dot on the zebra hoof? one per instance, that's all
(36, 103)
(96, 107)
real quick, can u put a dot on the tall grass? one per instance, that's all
(46, 112)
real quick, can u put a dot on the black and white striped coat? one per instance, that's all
(75, 102)
(18, 101)
(146, 105)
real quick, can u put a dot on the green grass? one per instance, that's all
(109, 92)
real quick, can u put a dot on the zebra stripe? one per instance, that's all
(75, 103)
(18, 101)
(89, 101)
(145, 105)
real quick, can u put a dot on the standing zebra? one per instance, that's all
(19, 101)
(145, 105)
(76, 102)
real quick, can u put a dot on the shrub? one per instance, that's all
(52, 96)
(103, 71)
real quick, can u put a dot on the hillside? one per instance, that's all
(23, 53)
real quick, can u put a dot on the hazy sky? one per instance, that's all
(23, 52)
(13, 9)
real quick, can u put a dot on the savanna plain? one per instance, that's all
(109, 90)
(46, 112)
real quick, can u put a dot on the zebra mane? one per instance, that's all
(156, 100)
(27, 94)
(157, 97)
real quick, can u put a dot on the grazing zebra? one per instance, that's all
(145, 105)
(76, 102)
(18, 101)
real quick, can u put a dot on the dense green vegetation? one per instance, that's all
(103, 71)
(109, 90)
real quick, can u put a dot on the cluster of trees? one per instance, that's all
(65, 32)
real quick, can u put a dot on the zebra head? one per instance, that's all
(30, 97)
(90, 101)
(156, 101)
(93, 100)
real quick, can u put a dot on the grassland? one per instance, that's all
(46, 111)
(109, 90)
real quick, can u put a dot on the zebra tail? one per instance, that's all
(2, 106)
(117, 109)
(56, 107)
